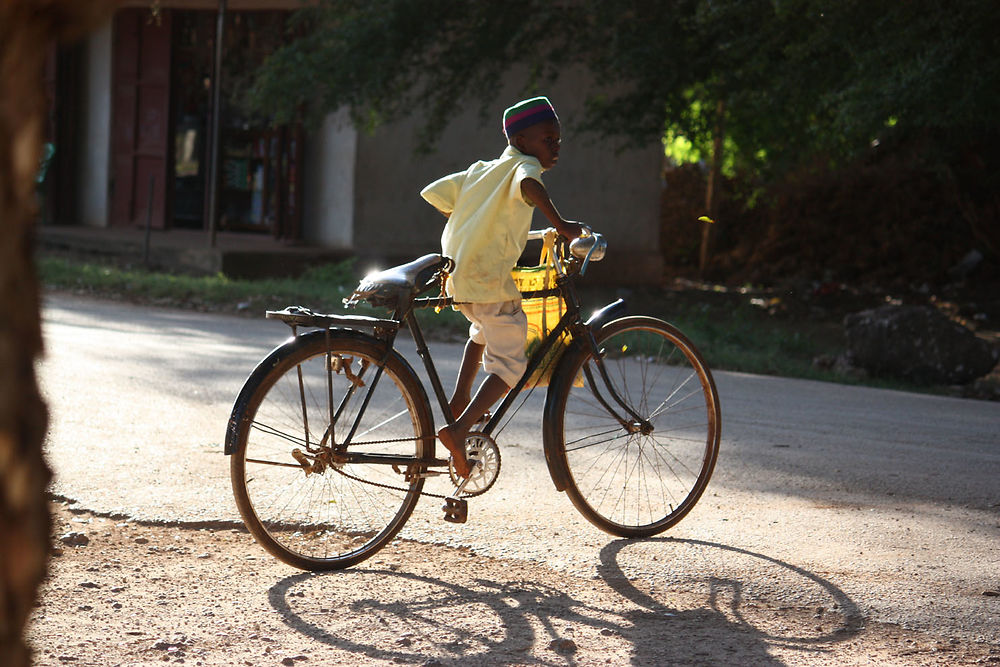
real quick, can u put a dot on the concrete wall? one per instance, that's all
(362, 191)
(95, 129)
(328, 209)
(616, 194)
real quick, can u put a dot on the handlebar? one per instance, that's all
(539, 234)
(384, 287)
(590, 246)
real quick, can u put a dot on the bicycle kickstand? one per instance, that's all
(456, 510)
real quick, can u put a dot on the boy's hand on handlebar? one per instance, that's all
(571, 230)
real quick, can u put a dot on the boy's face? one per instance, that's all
(541, 141)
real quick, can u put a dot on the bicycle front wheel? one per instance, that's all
(638, 478)
(297, 495)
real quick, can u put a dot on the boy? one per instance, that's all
(489, 207)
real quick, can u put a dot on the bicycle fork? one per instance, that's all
(636, 423)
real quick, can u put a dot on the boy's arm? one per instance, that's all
(442, 193)
(535, 193)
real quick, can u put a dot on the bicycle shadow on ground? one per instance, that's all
(780, 604)
(477, 613)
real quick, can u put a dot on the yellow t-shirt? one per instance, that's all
(487, 226)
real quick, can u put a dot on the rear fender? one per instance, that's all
(237, 420)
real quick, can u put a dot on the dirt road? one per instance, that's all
(843, 526)
(136, 594)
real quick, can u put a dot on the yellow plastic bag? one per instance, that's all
(543, 312)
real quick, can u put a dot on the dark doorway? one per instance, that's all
(258, 179)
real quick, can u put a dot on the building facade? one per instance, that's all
(132, 126)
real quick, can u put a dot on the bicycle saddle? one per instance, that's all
(416, 276)
(417, 272)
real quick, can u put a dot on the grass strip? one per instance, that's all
(732, 337)
(321, 288)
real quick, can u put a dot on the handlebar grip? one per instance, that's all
(538, 234)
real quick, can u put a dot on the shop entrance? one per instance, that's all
(258, 187)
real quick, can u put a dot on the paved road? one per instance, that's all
(884, 505)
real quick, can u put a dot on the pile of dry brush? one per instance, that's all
(890, 219)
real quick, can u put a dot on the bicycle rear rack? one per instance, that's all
(298, 316)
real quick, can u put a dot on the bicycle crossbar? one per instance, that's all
(445, 302)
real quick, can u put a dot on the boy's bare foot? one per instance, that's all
(457, 450)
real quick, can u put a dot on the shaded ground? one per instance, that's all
(124, 593)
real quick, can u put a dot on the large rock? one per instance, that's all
(916, 343)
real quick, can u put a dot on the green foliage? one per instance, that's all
(744, 339)
(798, 78)
(679, 149)
(386, 58)
(732, 336)
(321, 288)
(343, 274)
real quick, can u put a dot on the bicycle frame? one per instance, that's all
(581, 333)
(386, 330)
(333, 433)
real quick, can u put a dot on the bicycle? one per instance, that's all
(332, 436)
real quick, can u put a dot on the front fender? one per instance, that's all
(612, 311)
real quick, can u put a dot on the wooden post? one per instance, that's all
(213, 165)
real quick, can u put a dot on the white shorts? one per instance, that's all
(502, 328)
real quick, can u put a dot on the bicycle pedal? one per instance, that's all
(456, 510)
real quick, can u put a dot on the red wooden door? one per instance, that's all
(140, 117)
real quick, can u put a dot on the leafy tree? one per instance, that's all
(385, 59)
(798, 77)
(764, 87)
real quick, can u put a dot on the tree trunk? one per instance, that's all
(711, 189)
(27, 29)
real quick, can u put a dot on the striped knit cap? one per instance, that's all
(524, 114)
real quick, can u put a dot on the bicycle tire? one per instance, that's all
(635, 484)
(336, 515)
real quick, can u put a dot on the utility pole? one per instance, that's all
(213, 169)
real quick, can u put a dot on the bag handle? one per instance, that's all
(547, 255)
(547, 258)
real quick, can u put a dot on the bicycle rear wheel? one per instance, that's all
(635, 482)
(300, 503)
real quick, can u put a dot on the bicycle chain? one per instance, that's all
(387, 486)
(379, 484)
